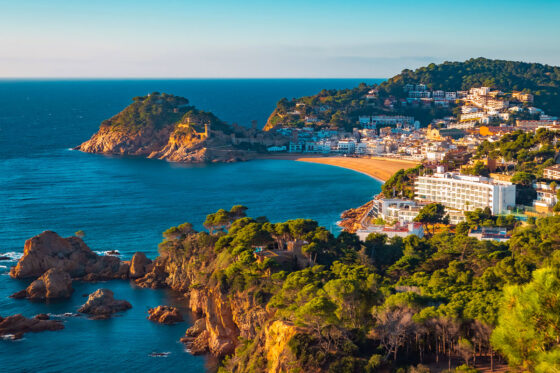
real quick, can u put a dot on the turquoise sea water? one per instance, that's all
(125, 204)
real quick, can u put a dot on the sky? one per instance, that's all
(256, 39)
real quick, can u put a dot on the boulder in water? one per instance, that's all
(53, 284)
(165, 315)
(48, 250)
(101, 304)
(17, 325)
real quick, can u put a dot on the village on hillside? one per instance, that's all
(465, 163)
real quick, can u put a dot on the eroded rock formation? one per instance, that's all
(53, 284)
(17, 325)
(139, 265)
(102, 304)
(71, 255)
(165, 315)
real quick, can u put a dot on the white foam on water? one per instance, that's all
(160, 354)
(10, 337)
(108, 253)
(13, 255)
(62, 315)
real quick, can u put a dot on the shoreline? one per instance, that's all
(378, 168)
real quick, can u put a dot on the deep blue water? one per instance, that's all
(125, 204)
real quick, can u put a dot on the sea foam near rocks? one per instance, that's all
(13, 255)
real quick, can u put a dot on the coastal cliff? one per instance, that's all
(226, 318)
(252, 297)
(166, 127)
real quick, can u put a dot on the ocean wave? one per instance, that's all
(108, 252)
(3, 267)
(10, 337)
(13, 255)
(160, 354)
(63, 315)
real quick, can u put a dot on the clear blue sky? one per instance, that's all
(206, 38)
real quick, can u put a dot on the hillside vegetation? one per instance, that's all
(543, 81)
(340, 109)
(382, 304)
(158, 110)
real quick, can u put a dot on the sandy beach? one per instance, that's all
(376, 167)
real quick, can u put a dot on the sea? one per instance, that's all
(125, 203)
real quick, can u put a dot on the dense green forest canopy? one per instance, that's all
(158, 110)
(530, 152)
(543, 81)
(385, 303)
(336, 109)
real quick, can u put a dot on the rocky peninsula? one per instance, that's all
(166, 127)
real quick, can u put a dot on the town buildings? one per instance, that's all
(546, 196)
(397, 230)
(462, 192)
(552, 172)
(490, 234)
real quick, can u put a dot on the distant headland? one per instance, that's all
(166, 127)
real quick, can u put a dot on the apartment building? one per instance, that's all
(546, 197)
(397, 230)
(467, 193)
(552, 172)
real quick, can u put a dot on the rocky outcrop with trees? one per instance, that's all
(164, 126)
(446, 300)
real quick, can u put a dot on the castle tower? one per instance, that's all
(206, 130)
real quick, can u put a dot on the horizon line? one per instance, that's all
(179, 78)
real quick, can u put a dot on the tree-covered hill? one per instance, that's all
(158, 110)
(543, 81)
(340, 109)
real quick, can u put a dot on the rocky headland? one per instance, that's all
(225, 314)
(229, 288)
(163, 126)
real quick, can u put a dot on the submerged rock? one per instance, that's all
(101, 304)
(48, 250)
(17, 325)
(53, 284)
(165, 315)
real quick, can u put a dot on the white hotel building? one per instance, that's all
(464, 192)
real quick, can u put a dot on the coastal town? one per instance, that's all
(451, 171)
(414, 281)
(280, 187)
